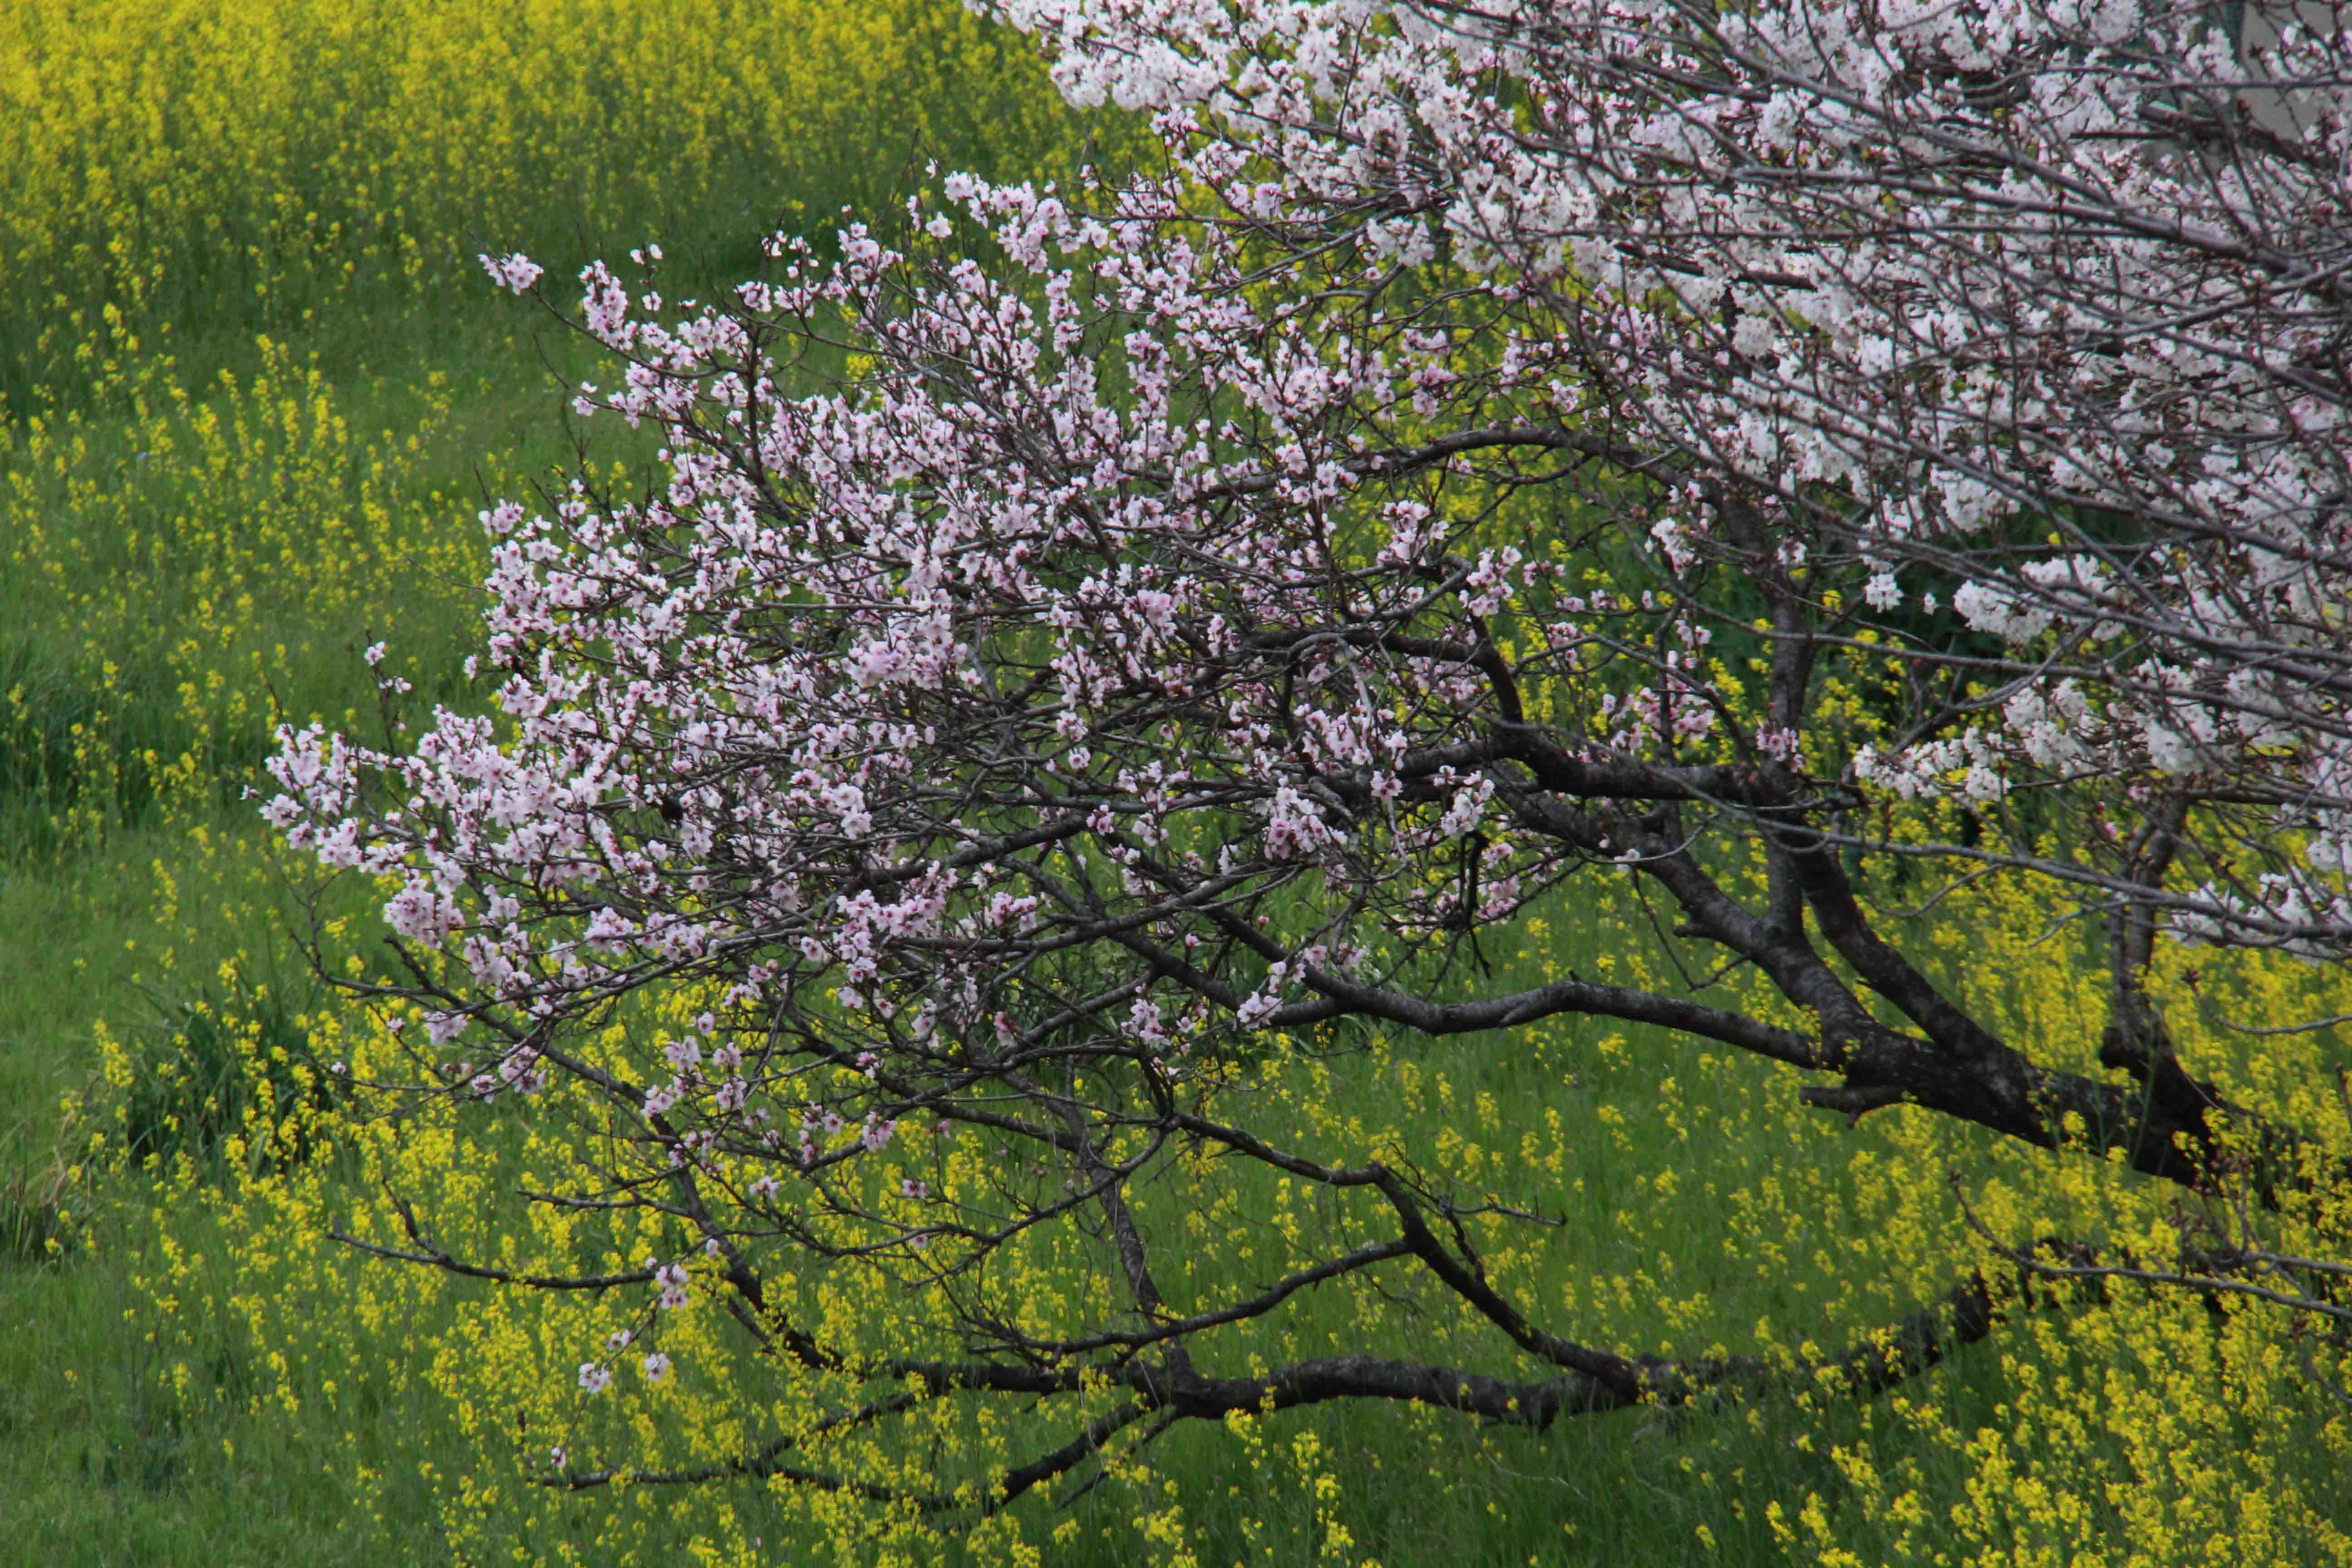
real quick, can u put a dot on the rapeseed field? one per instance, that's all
(256, 391)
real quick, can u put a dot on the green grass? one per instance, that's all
(107, 1459)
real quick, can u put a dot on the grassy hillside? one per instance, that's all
(256, 390)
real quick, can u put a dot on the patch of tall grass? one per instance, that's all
(328, 171)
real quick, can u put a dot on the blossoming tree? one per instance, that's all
(1762, 468)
